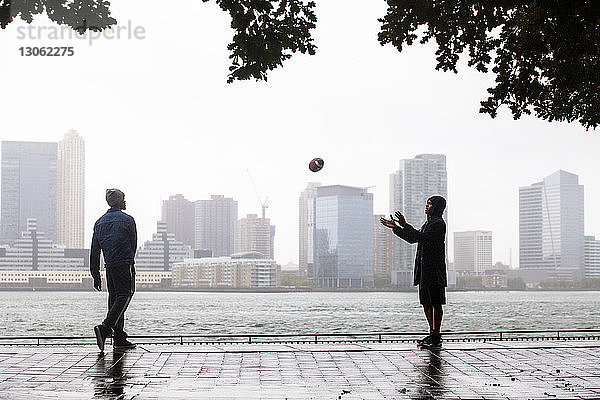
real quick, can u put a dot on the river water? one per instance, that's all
(75, 313)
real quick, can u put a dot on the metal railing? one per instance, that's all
(316, 338)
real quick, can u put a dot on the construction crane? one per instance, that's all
(263, 203)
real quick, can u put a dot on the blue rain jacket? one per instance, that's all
(116, 235)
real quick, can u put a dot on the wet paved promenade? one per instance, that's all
(544, 369)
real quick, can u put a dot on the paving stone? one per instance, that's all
(543, 369)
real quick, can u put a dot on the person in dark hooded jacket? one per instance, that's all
(430, 262)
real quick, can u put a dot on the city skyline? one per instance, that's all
(343, 246)
(178, 198)
(44, 181)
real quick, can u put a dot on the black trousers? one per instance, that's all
(120, 281)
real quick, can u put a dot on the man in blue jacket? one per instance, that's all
(430, 262)
(116, 235)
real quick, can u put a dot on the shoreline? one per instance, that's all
(295, 290)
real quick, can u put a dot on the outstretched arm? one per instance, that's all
(403, 234)
(396, 226)
(388, 222)
(433, 231)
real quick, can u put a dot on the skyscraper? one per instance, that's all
(342, 244)
(306, 227)
(215, 224)
(254, 234)
(71, 191)
(383, 240)
(551, 225)
(530, 226)
(473, 251)
(416, 180)
(592, 257)
(29, 188)
(178, 214)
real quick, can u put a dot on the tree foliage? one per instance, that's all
(294, 281)
(516, 283)
(545, 54)
(267, 32)
(382, 281)
(81, 15)
(469, 282)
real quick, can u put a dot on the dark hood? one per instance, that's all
(439, 205)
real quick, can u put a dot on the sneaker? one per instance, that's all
(123, 345)
(433, 341)
(421, 341)
(101, 333)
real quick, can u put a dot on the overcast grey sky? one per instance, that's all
(159, 118)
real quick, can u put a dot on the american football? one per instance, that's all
(316, 164)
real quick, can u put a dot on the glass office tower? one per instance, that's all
(551, 224)
(29, 188)
(343, 237)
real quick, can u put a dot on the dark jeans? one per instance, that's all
(120, 281)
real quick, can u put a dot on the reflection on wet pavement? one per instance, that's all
(431, 383)
(109, 379)
(545, 369)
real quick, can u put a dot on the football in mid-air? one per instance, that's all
(316, 164)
